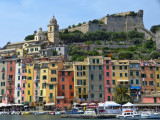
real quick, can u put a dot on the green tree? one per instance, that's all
(54, 52)
(121, 94)
(149, 44)
(155, 55)
(135, 34)
(155, 28)
(29, 37)
(125, 55)
(79, 24)
(69, 27)
(98, 42)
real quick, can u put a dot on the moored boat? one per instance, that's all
(129, 114)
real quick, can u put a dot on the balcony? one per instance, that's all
(10, 80)
(60, 97)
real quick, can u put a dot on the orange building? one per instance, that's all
(65, 88)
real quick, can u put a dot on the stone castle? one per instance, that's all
(120, 22)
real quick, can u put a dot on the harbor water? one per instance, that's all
(43, 117)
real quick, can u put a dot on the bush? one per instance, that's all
(125, 55)
(98, 42)
(155, 28)
(89, 42)
(137, 41)
(149, 44)
(155, 55)
(29, 37)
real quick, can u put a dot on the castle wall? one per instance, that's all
(158, 40)
(83, 28)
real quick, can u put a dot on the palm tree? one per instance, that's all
(121, 94)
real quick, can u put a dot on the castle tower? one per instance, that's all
(53, 31)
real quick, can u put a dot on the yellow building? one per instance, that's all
(157, 75)
(29, 82)
(120, 72)
(43, 80)
(52, 83)
(80, 80)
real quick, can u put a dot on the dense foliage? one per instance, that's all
(77, 36)
(155, 28)
(29, 37)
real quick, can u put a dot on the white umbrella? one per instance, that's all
(92, 104)
(17, 104)
(49, 104)
(84, 104)
(128, 105)
(5, 105)
(111, 103)
(101, 104)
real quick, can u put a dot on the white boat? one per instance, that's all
(89, 111)
(39, 113)
(129, 114)
(4, 113)
(150, 115)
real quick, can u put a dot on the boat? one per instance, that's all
(51, 113)
(89, 111)
(150, 115)
(4, 113)
(25, 113)
(129, 114)
(39, 113)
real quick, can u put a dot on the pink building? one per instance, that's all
(10, 80)
(151, 98)
(107, 79)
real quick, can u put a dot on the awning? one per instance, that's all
(49, 104)
(123, 80)
(135, 87)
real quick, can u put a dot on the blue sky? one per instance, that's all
(19, 18)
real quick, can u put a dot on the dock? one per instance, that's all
(89, 116)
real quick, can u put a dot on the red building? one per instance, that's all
(148, 83)
(107, 79)
(10, 80)
(65, 88)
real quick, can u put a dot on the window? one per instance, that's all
(23, 92)
(18, 77)
(62, 79)
(23, 85)
(113, 67)
(107, 74)
(100, 67)
(137, 73)
(22, 98)
(79, 82)
(157, 68)
(51, 95)
(41, 92)
(2, 91)
(3, 62)
(29, 71)
(92, 77)
(137, 81)
(145, 83)
(151, 68)
(58, 102)
(84, 67)
(157, 76)
(63, 87)
(113, 73)
(97, 60)
(53, 65)
(108, 82)
(50, 86)
(79, 73)
(11, 62)
(107, 67)
(79, 68)
(79, 90)
(120, 67)
(125, 67)
(69, 73)
(100, 87)
(113, 82)
(132, 82)
(93, 61)
(71, 93)
(121, 75)
(43, 85)
(109, 98)
(143, 68)
(92, 95)
(100, 77)
(10, 68)
(125, 74)
(157, 84)
(84, 82)
(151, 83)
(28, 92)
(44, 71)
(100, 95)
(29, 85)
(2, 83)
(84, 90)
(151, 75)
(131, 73)
(53, 71)
(44, 77)
(84, 73)
(143, 75)
(63, 73)
(53, 79)
(107, 61)
(18, 93)
(70, 87)
(92, 87)
(109, 90)
(72, 79)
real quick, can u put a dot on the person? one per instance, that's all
(96, 111)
